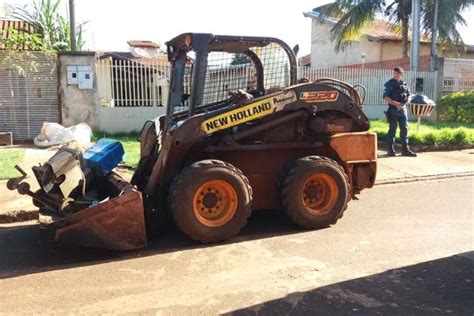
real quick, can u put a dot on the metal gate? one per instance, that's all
(133, 83)
(28, 93)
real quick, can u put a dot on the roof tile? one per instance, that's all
(147, 44)
(7, 25)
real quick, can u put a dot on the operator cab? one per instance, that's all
(213, 72)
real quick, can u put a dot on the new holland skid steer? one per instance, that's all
(240, 134)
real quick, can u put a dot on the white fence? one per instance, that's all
(131, 84)
(458, 74)
(373, 80)
(130, 93)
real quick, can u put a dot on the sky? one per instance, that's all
(111, 23)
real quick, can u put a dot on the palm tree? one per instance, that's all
(44, 18)
(354, 15)
(449, 18)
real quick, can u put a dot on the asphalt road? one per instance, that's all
(401, 249)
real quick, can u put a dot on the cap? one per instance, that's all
(398, 69)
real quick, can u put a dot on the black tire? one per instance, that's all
(232, 200)
(314, 192)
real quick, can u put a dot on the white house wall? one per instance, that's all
(127, 119)
(324, 55)
(393, 50)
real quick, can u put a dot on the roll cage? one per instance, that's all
(206, 67)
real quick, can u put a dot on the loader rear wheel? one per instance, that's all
(314, 192)
(210, 200)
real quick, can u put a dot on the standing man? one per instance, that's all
(396, 94)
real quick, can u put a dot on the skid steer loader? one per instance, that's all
(240, 134)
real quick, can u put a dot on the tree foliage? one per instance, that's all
(19, 48)
(45, 30)
(49, 25)
(355, 15)
(240, 59)
(20, 40)
(457, 107)
(449, 19)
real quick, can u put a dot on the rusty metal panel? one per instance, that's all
(117, 224)
(264, 168)
(355, 147)
(363, 175)
(28, 97)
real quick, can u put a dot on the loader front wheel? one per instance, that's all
(210, 200)
(314, 192)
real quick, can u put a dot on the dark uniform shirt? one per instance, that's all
(396, 90)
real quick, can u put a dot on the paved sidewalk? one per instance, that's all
(389, 170)
(427, 164)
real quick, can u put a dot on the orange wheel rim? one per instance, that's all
(215, 203)
(319, 194)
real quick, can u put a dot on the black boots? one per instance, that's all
(406, 151)
(391, 150)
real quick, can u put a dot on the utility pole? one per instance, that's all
(434, 51)
(415, 40)
(72, 24)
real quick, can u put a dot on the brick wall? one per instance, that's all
(424, 64)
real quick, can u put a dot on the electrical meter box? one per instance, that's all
(85, 77)
(80, 75)
(72, 76)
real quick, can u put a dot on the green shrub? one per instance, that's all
(431, 133)
(457, 107)
(445, 137)
(460, 136)
(430, 139)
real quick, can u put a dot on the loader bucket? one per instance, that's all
(117, 224)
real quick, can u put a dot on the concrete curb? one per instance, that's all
(23, 216)
(425, 178)
(382, 148)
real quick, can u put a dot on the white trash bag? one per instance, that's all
(55, 134)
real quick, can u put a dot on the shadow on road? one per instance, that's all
(22, 252)
(438, 287)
